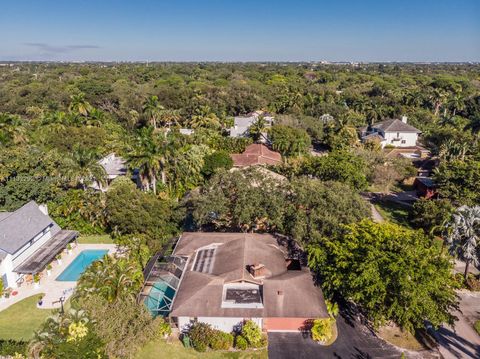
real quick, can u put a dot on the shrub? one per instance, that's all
(322, 330)
(241, 343)
(218, 159)
(10, 347)
(252, 333)
(200, 335)
(477, 326)
(221, 341)
(473, 283)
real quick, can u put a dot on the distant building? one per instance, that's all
(392, 132)
(241, 124)
(425, 187)
(114, 166)
(29, 240)
(256, 154)
(225, 278)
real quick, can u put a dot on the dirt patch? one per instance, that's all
(402, 339)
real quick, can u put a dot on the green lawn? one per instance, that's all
(20, 320)
(175, 350)
(394, 212)
(95, 239)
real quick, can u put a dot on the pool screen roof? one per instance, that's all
(163, 280)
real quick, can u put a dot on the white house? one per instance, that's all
(241, 124)
(393, 132)
(29, 240)
(114, 166)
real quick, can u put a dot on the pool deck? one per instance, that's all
(53, 289)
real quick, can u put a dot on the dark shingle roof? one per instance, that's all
(19, 227)
(395, 125)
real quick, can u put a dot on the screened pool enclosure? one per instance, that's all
(162, 278)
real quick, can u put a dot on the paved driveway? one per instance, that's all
(462, 341)
(354, 341)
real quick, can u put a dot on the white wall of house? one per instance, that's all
(10, 262)
(401, 139)
(226, 324)
(6, 268)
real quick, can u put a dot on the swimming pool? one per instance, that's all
(80, 264)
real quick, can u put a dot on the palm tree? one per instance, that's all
(110, 278)
(12, 129)
(153, 110)
(456, 103)
(453, 150)
(258, 128)
(204, 117)
(82, 167)
(78, 105)
(465, 235)
(148, 156)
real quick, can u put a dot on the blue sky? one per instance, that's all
(240, 30)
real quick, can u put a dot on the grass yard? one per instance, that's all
(394, 212)
(20, 320)
(95, 239)
(175, 350)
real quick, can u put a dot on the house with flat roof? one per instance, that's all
(241, 124)
(225, 278)
(29, 240)
(256, 154)
(392, 132)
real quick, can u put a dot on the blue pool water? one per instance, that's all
(80, 264)
(161, 295)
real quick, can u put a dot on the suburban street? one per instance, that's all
(462, 341)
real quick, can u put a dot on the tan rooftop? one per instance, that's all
(286, 293)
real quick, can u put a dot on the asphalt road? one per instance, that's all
(354, 341)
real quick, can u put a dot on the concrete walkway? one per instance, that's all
(53, 289)
(462, 341)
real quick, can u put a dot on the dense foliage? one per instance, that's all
(392, 272)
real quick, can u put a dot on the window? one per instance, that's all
(403, 141)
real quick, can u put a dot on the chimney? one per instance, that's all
(43, 208)
(404, 119)
(258, 270)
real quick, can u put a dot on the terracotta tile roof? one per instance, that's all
(256, 154)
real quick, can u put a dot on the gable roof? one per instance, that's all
(19, 227)
(395, 125)
(256, 154)
(285, 293)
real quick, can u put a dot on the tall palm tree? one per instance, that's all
(465, 235)
(149, 156)
(82, 167)
(153, 110)
(457, 103)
